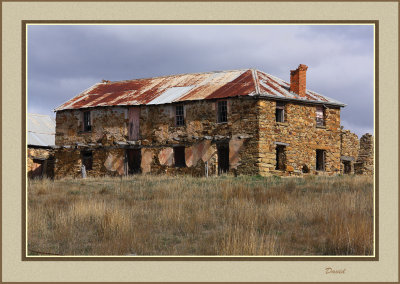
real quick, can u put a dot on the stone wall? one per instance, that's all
(251, 133)
(157, 137)
(350, 146)
(109, 124)
(106, 161)
(301, 137)
(365, 161)
(40, 162)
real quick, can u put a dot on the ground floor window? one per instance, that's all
(179, 157)
(87, 159)
(223, 158)
(280, 157)
(320, 166)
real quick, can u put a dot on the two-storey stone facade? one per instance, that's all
(241, 122)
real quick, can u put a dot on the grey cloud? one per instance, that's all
(65, 60)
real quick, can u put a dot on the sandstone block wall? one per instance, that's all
(350, 146)
(251, 133)
(365, 161)
(106, 161)
(109, 124)
(301, 135)
(157, 137)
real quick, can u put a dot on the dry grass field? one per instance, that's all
(160, 215)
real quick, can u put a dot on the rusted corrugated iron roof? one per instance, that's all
(41, 130)
(187, 87)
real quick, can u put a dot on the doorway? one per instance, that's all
(320, 163)
(134, 123)
(346, 167)
(134, 158)
(223, 158)
(280, 158)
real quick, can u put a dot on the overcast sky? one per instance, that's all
(65, 60)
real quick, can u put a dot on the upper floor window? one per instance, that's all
(280, 112)
(87, 125)
(179, 116)
(222, 111)
(320, 114)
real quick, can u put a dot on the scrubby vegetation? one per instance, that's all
(161, 215)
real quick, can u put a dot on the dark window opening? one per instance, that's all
(280, 112)
(179, 115)
(134, 159)
(280, 158)
(87, 126)
(179, 157)
(346, 167)
(87, 159)
(222, 111)
(223, 158)
(305, 169)
(321, 160)
(320, 114)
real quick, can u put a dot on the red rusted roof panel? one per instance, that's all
(213, 85)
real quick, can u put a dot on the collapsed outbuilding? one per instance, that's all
(41, 143)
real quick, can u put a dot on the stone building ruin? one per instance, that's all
(239, 122)
(40, 152)
(357, 155)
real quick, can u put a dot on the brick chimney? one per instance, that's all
(298, 80)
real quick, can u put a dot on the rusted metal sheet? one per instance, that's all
(186, 87)
(235, 145)
(134, 123)
(147, 159)
(202, 150)
(166, 156)
(115, 163)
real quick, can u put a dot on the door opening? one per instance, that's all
(223, 158)
(134, 157)
(280, 158)
(346, 167)
(134, 123)
(320, 163)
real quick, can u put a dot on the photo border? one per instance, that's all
(25, 257)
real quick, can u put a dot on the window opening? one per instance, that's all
(320, 113)
(179, 115)
(222, 111)
(87, 126)
(280, 112)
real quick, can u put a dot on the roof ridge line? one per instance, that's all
(166, 76)
(256, 81)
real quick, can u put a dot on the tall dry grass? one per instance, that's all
(160, 215)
